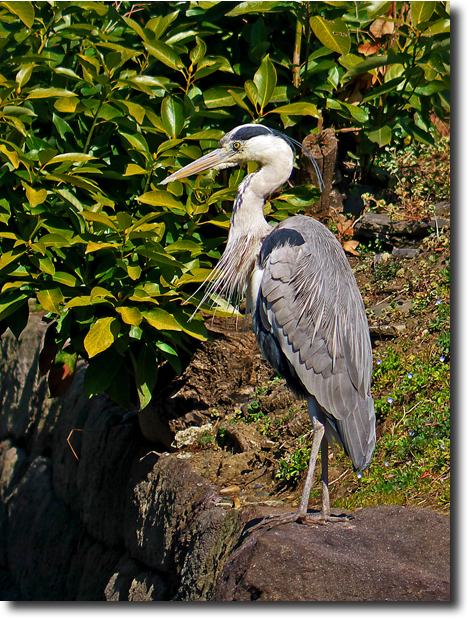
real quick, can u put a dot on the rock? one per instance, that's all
(132, 583)
(173, 525)
(189, 436)
(396, 233)
(405, 252)
(402, 305)
(42, 536)
(121, 521)
(442, 209)
(391, 554)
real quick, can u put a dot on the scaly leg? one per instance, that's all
(301, 514)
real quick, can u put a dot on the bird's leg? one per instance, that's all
(325, 502)
(301, 513)
(318, 437)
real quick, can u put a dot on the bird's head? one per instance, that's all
(245, 143)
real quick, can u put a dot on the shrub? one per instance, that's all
(101, 101)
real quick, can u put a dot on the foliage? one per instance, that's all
(99, 102)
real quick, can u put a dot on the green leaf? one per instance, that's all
(146, 373)
(24, 10)
(10, 256)
(133, 169)
(35, 197)
(161, 320)
(101, 372)
(61, 277)
(265, 79)
(161, 198)
(164, 53)
(381, 136)
(135, 110)
(259, 6)
(47, 266)
(199, 51)
(130, 315)
(54, 240)
(374, 62)
(134, 272)
(76, 157)
(239, 101)
(11, 302)
(195, 328)
(333, 34)
(101, 335)
(172, 115)
(170, 355)
(297, 109)
(46, 93)
(101, 218)
(252, 93)
(218, 97)
(51, 299)
(67, 105)
(421, 11)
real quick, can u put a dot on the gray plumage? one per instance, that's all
(308, 314)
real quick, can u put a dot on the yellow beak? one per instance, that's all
(217, 160)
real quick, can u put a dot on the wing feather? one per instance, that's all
(309, 302)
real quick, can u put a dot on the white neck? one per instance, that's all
(248, 226)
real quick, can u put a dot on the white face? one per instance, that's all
(263, 149)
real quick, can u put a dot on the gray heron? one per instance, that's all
(308, 315)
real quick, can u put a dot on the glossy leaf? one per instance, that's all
(160, 198)
(24, 10)
(161, 320)
(51, 299)
(265, 80)
(332, 34)
(101, 336)
(164, 53)
(299, 109)
(172, 114)
(421, 11)
(381, 136)
(130, 315)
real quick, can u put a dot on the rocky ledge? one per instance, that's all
(119, 518)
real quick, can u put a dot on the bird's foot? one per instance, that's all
(276, 520)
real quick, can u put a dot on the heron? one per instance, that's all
(308, 315)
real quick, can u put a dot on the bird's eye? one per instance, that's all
(236, 145)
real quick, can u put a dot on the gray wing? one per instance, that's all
(309, 302)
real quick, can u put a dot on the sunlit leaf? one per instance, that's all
(66, 104)
(421, 11)
(24, 10)
(35, 197)
(172, 114)
(265, 79)
(160, 198)
(300, 109)
(101, 335)
(130, 315)
(61, 277)
(381, 136)
(161, 320)
(51, 299)
(45, 93)
(9, 303)
(332, 34)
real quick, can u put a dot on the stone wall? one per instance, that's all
(122, 521)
